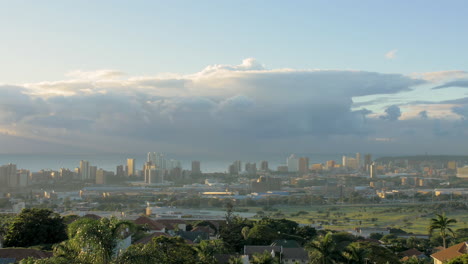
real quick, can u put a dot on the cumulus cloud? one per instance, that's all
(392, 113)
(423, 114)
(391, 54)
(222, 108)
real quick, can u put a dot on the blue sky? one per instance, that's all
(256, 76)
(46, 39)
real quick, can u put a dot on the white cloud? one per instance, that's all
(391, 54)
(441, 76)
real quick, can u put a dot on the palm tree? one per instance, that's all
(92, 241)
(324, 251)
(354, 254)
(442, 223)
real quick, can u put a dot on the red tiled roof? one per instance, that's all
(451, 252)
(411, 252)
(152, 225)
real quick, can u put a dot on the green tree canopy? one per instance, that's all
(459, 260)
(161, 250)
(35, 227)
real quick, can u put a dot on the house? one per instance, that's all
(148, 239)
(173, 224)
(14, 255)
(152, 225)
(450, 253)
(286, 255)
(195, 237)
(407, 254)
(365, 232)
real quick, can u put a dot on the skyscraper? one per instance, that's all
(196, 167)
(84, 170)
(8, 175)
(372, 171)
(264, 165)
(303, 165)
(367, 161)
(293, 163)
(120, 172)
(130, 167)
(358, 160)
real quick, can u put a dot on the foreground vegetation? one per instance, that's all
(86, 240)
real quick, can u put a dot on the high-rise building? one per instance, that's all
(330, 164)
(235, 167)
(373, 171)
(196, 167)
(367, 161)
(84, 170)
(120, 172)
(264, 165)
(251, 168)
(303, 165)
(131, 167)
(8, 176)
(350, 163)
(92, 172)
(238, 165)
(358, 160)
(23, 178)
(158, 160)
(293, 163)
(101, 176)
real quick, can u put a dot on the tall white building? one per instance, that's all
(293, 163)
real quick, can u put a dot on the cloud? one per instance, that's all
(392, 113)
(223, 109)
(423, 114)
(458, 83)
(391, 54)
(441, 76)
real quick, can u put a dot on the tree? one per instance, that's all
(262, 234)
(463, 259)
(377, 253)
(355, 254)
(263, 258)
(235, 260)
(35, 227)
(323, 250)
(161, 250)
(307, 233)
(92, 241)
(442, 223)
(207, 249)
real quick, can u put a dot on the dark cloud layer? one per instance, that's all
(243, 108)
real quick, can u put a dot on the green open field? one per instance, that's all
(409, 217)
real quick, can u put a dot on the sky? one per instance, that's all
(233, 77)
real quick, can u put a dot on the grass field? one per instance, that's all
(409, 217)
